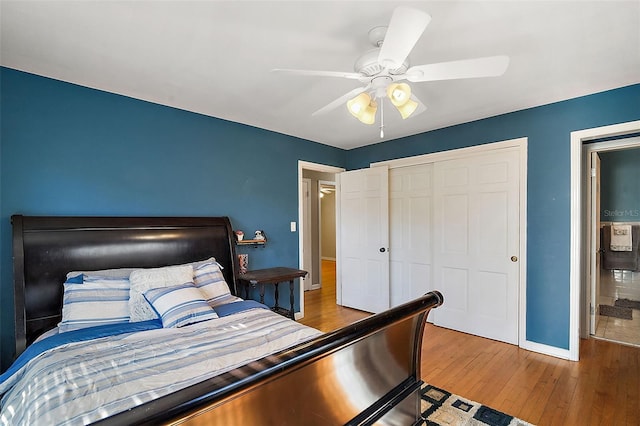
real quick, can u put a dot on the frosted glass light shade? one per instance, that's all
(399, 93)
(400, 96)
(407, 109)
(363, 108)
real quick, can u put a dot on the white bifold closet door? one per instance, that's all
(476, 244)
(411, 236)
(450, 225)
(364, 239)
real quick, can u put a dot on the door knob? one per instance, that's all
(514, 258)
(382, 249)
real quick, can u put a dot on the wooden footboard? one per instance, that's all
(365, 373)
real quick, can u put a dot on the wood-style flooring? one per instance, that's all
(603, 388)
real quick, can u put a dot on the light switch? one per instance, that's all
(293, 227)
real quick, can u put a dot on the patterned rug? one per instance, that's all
(442, 408)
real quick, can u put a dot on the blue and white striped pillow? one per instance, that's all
(210, 281)
(179, 305)
(93, 303)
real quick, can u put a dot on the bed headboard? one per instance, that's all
(45, 248)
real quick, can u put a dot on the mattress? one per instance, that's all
(84, 376)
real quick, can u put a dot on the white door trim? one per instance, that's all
(306, 260)
(587, 151)
(576, 269)
(521, 144)
(306, 165)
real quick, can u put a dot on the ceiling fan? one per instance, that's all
(383, 69)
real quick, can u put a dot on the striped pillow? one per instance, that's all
(146, 279)
(179, 305)
(94, 303)
(210, 281)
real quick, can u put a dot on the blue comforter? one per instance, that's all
(83, 376)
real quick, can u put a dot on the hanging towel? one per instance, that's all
(626, 260)
(621, 238)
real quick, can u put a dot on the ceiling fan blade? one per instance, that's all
(341, 74)
(341, 100)
(491, 66)
(405, 28)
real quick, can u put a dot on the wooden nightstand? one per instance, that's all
(272, 276)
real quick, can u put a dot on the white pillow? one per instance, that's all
(145, 279)
(94, 303)
(111, 273)
(210, 281)
(202, 262)
(179, 305)
(125, 272)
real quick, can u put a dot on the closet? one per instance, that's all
(447, 221)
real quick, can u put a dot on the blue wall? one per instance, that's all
(70, 150)
(620, 186)
(548, 130)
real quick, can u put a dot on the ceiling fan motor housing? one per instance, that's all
(367, 64)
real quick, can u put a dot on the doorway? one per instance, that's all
(613, 204)
(313, 180)
(327, 231)
(580, 241)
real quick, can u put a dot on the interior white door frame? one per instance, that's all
(302, 166)
(588, 150)
(306, 260)
(593, 221)
(521, 143)
(579, 235)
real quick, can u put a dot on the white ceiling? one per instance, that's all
(216, 57)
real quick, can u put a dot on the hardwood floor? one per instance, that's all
(320, 309)
(603, 388)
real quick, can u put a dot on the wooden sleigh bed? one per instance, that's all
(365, 373)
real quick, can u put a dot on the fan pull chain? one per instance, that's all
(381, 118)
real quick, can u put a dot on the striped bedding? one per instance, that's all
(82, 382)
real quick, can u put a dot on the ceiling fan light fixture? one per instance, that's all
(400, 96)
(399, 93)
(407, 109)
(358, 104)
(363, 108)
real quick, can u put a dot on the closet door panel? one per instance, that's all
(410, 215)
(364, 239)
(476, 232)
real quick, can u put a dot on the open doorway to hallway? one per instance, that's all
(315, 181)
(321, 310)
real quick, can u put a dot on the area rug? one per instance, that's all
(616, 312)
(442, 408)
(628, 303)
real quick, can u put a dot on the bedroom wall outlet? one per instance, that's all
(293, 227)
